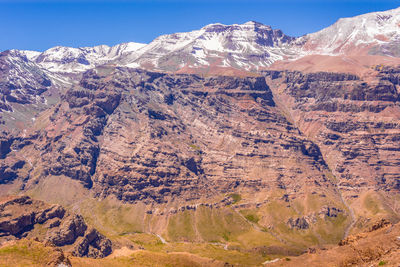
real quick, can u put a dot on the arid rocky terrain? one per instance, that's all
(139, 158)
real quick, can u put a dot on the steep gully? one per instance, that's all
(288, 114)
(350, 210)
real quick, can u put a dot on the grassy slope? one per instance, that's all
(26, 253)
(31, 253)
(372, 206)
(206, 231)
(204, 237)
(251, 235)
(148, 258)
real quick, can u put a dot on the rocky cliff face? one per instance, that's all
(148, 136)
(355, 122)
(23, 217)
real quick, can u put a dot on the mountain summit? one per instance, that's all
(243, 46)
(376, 33)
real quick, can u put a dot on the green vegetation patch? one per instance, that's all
(181, 226)
(114, 218)
(235, 197)
(26, 253)
(372, 205)
(146, 241)
(195, 147)
(219, 225)
(250, 215)
(252, 218)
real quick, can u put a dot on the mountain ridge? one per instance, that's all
(248, 46)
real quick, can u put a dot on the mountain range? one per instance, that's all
(248, 46)
(229, 145)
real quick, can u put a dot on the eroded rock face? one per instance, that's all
(353, 120)
(13, 167)
(5, 144)
(20, 216)
(153, 137)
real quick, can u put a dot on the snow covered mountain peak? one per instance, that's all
(377, 33)
(250, 25)
(248, 46)
(21, 81)
(253, 22)
(245, 46)
(61, 59)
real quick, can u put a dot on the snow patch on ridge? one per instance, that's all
(348, 34)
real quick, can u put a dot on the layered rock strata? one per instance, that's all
(354, 120)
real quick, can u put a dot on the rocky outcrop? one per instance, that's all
(379, 224)
(93, 245)
(20, 216)
(14, 166)
(330, 211)
(324, 86)
(68, 231)
(307, 221)
(59, 259)
(298, 223)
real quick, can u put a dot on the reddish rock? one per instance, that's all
(19, 215)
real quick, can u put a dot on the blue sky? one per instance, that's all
(39, 25)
